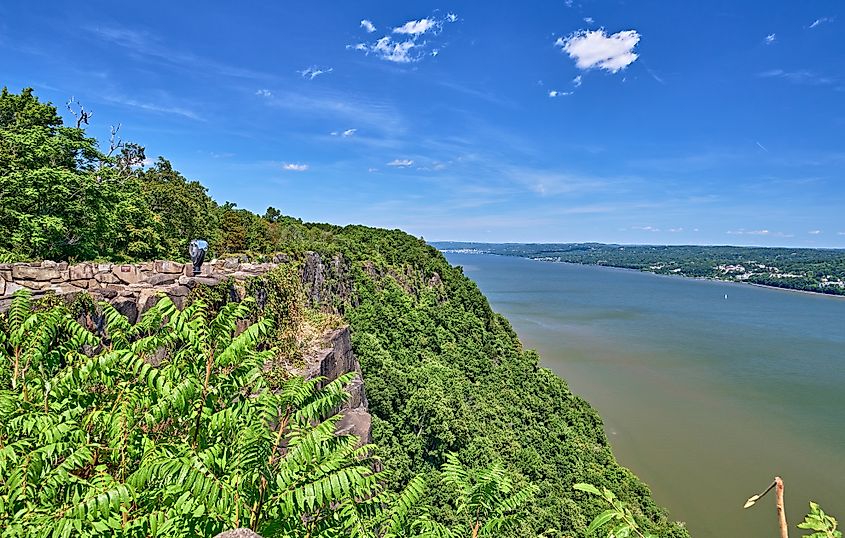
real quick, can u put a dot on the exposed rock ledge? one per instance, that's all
(134, 288)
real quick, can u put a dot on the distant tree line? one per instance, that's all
(808, 269)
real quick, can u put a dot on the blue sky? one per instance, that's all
(631, 122)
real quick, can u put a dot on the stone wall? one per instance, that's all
(125, 284)
(134, 288)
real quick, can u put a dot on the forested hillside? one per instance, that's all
(444, 373)
(807, 269)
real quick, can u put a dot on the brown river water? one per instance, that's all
(707, 389)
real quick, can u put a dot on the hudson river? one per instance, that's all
(705, 398)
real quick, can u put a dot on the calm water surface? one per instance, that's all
(704, 398)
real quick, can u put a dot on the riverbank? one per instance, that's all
(702, 398)
(678, 275)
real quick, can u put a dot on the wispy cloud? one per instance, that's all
(814, 232)
(368, 26)
(155, 107)
(264, 93)
(414, 44)
(556, 93)
(820, 21)
(313, 72)
(589, 20)
(344, 134)
(295, 167)
(152, 48)
(376, 115)
(761, 146)
(577, 81)
(759, 233)
(796, 77)
(769, 39)
(595, 49)
(401, 163)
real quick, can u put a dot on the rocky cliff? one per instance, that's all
(134, 288)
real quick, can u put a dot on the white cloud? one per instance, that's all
(295, 167)
(748, 232)
(576, 81)
(589, 20)
(401, 163)
(820, 21)
(759, 232)
(264, 93)
(313, 72)
(368, 26)
(646, 228)
(412, 47)
(771, 38)
(394, 51)
(416, 28)
(594, 48)
(814, 232)
(371, 170)
(556, 93)
(345, 134)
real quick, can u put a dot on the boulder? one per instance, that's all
(107, 278)
(38, 274)
(159, 279)
(81, 271)
(164, 266)
(128, 308)
(178, 291)
(128, 274)
(146, 300)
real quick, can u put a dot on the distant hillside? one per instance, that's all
(806, 269)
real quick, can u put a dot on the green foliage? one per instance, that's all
(445, 374)
(823, 524)
(107, 442)
(618, 515)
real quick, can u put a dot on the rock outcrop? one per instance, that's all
(133, 288)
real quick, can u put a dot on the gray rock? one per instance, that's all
(82, 271)
(128, 274)
(159, 279)
(164, 266)
(178, 291)
(38, 274)
(128, 307)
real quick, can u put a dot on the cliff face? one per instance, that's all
(134, 288)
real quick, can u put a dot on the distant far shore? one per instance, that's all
(638, 270)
